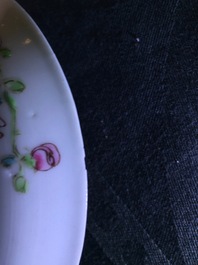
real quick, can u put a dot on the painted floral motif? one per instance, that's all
(43, 157)
(2, 124)
(46, 156)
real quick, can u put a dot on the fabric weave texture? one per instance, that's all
(132, 66)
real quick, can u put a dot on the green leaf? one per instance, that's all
(29, 161)
(15, 86)
(5, 53)
(20, 184)
(10, 101)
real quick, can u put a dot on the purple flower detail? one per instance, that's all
(46, 156)
(2, 122)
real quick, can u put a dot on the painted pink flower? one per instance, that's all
(46, 156)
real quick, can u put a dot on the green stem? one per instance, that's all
(13, 133)
(20, 173)
(12, 106)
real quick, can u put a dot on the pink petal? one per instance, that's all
(46, 156)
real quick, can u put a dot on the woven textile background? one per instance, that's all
(132, 66)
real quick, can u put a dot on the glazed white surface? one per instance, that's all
(46, 225)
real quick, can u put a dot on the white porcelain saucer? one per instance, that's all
(43, 181)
